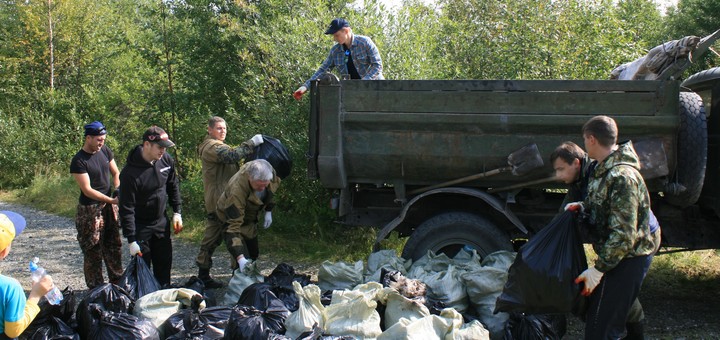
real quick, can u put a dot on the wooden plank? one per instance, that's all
(540, 103)
(507, 85)
(479, 124)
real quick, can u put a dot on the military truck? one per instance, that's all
(433, 160)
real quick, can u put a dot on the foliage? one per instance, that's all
(175, 63)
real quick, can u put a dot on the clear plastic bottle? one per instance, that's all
(54, 296)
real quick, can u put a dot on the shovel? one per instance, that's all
(520, 163)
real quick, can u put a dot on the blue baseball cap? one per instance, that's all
(95, 129)
(336, 25)
(11, 225)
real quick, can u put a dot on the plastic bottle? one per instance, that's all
(54, 296)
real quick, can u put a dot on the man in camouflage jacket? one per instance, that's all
(250, 191)
(618, 203)
(219, 163)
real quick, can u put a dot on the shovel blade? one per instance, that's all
(525, 159)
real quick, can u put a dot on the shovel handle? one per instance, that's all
(461, 180)
(523, 184)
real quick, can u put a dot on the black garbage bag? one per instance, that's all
(535, 326)
(106, 297)
(249, 323)
(273, 151)
(112, 325)
(542, 278)
(137, 279)
(54, 329)
(65, 311)
(281, 280)
(197, 285)
(210, 323)
(258, 295)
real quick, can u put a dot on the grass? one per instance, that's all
(58, 194)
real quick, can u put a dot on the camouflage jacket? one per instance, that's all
(239, 202)
(619, 206)
(219, 163)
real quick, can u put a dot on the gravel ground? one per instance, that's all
(53, 239)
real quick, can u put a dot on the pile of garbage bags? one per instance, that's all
(436, 297)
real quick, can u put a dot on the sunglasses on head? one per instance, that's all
(97, 131)
(157, 137)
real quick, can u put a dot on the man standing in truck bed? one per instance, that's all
(618, 204)
(354, 56)
(219, 163)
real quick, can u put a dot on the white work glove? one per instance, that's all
(242, 261)
(299, 92)
(575, 207)
(591, 277)
(134, 248)
(177, 223)
(257, 140)
(268, 220)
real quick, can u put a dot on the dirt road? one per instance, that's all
(672, 311)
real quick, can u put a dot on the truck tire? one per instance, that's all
(701, 77)
(692, 152)
(451, 231)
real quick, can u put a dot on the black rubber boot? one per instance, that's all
(207, 280)
(634, 331)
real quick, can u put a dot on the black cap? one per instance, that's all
(336, 25)
(157, 135)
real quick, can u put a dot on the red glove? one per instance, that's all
(299, 93)
(575, 207)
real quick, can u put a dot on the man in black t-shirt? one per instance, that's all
(97, 212)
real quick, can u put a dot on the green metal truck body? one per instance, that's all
(375, 142)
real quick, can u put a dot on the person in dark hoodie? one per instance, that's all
(148, 182)
(618, 204)
(573, 167)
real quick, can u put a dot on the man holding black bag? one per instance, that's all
(573, 167)
(149, 183)
(618, 204)
(219, 163)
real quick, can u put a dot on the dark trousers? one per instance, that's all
(157, 253)
(253, 248)
(611, 300)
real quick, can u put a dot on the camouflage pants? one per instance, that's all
(212, 239)
(99, 237)
(240, 229)
(236, 243)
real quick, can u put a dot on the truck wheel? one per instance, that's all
(691, 151)
(701, 77)
(449, 232)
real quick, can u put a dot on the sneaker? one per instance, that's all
(211, 283)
